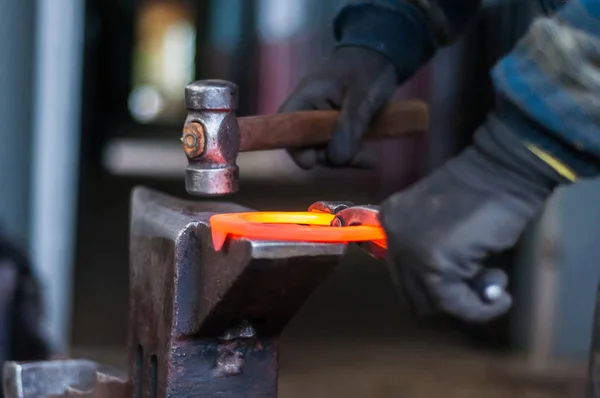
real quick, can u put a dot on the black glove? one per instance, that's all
(440, 230)
(356, 81)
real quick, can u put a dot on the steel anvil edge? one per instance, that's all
(200, 322)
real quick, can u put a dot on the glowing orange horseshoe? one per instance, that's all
(288, 226)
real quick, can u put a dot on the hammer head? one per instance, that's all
(211, 138)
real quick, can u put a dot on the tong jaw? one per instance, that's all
(349, 214)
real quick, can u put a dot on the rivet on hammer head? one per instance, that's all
(193, 139)
(189, 140)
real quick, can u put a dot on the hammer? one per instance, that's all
(213, 135)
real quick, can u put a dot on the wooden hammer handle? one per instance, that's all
(311, 128)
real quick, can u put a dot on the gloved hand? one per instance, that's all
(358, 82)
(440, 230)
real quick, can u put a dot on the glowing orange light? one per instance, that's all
(289, 226)
(381, 243)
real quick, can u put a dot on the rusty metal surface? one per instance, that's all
(206, 322)
(193, 139)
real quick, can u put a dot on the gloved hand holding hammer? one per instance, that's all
(542, 133)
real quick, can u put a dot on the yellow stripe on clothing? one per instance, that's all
(556, 164)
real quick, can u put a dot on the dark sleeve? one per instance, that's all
(551, 79)
(407, 32)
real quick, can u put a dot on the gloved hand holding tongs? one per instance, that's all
(486, 287)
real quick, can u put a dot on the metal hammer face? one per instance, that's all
(211, 138)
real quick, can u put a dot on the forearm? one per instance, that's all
(407, 32)
(550, 87)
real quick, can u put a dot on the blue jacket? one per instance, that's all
(548, 86)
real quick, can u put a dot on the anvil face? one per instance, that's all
(201, 323)
(207, 321)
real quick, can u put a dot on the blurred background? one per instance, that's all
(92, 93)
